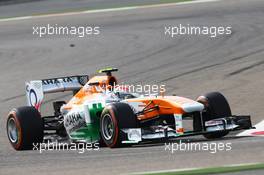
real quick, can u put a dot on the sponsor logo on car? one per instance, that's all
(57, 80)
(74, 121)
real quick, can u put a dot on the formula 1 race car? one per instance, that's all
(99, 112)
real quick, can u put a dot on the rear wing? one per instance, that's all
(36, 89)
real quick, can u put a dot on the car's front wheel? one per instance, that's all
(216, 106)
(114, 118)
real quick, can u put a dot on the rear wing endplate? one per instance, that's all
(36, 89)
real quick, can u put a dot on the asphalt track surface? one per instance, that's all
(134, 41)
(28, 7)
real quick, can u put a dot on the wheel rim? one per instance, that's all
(12, 130)
(107, 127)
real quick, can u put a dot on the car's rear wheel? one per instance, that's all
(216, 106)
(114, 118)
(24, 128)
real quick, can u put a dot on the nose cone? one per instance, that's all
(192, 107)
(186, 104)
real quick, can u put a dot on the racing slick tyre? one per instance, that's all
(216, 106)
(24, 128)
(114, 118)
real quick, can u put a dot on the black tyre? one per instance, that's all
(216, 106)
(115, 117)
(24, 127)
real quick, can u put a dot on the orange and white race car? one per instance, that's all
(100, 112)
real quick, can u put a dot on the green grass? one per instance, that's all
(214, 170)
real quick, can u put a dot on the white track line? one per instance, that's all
(105, 10)
(259, 128)
(16, 18)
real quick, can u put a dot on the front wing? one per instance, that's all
(233, 123)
